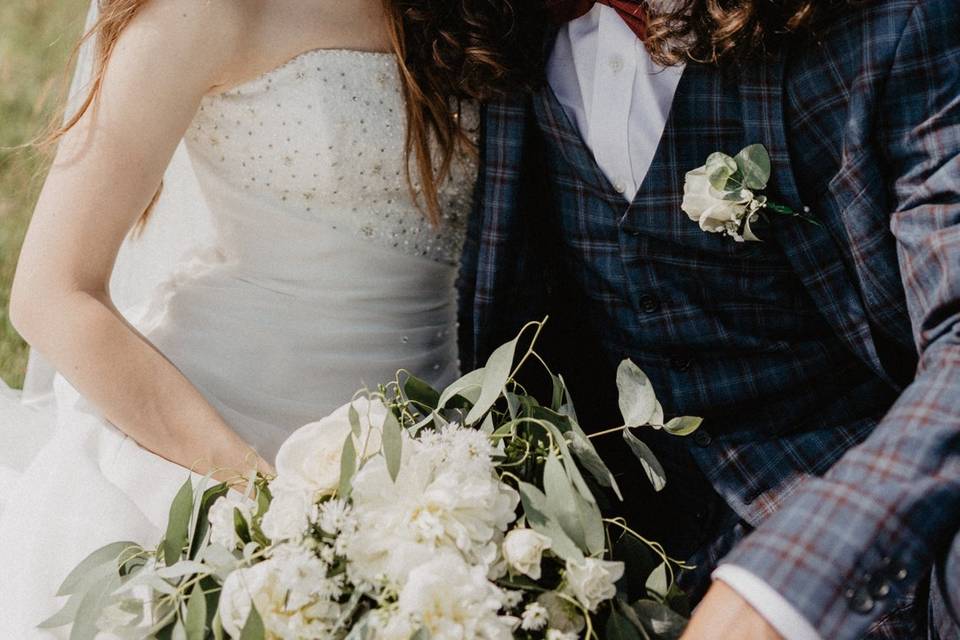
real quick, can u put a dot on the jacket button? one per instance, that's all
(879, 588)
(701, 438)
(648, 303)
(861, 601)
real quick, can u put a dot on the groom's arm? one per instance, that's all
(850, 544)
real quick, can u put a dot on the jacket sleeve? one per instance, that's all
(849, 545)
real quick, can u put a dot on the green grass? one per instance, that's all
(36, 37)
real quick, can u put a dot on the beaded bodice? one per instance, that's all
(321, 139)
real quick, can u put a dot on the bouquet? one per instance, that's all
(408, 514)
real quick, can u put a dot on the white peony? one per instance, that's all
(454, 601)
(717, 211)
(288, 517)
(523, 550)
(291, 592)
(223, 530)
(435, 504)
(592, 581)
(310, 458)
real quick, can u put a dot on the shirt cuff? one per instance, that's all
(780, 614)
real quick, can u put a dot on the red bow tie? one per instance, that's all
(630, 10)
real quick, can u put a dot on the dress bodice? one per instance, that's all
(322, 139)
(325, 276)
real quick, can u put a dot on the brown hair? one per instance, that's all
(447, 51)
(716, 31)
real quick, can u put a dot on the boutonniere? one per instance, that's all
(723, 195)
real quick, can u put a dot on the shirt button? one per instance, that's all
(701, 438)
(860, 601)
(616, 63)
(648, 303)
(620, 186)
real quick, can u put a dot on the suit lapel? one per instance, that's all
(812, 250)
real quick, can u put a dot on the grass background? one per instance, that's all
(36, 38)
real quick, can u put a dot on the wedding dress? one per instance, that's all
(323, 276)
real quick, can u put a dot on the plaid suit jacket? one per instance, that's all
(882, 90)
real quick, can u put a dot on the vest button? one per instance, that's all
(701, 438)
(648, 303)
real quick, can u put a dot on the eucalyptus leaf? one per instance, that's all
(354, 417)
(348, 466)
(178, 524)
(253, 629)
(202, 526)
(754, 163)
(560, 505)
(392, 445)
(218, 633)
(637, 399)
(620, 628)
(587, 455)
(657, 581)
(647, 459)
(487, 426)
(421, 393)
(467, 387)
(179, 631)
(683, 426)
(91, 607)
(65, 615)
(536, 511)
(108, 555)
(495, 376)
(181, 569)
(720, 168)
(196, 620)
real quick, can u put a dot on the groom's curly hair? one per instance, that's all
(719, 31)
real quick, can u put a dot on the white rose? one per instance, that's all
(223, 529)
(237, 596)
(310, 457)
(523, 550)
(592, 581)
(718, 211)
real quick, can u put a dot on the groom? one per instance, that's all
(823, 491)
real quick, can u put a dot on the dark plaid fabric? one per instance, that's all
(863, 127)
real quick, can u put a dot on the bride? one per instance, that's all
(334, 144)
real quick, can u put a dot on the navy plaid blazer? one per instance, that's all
(881, 88)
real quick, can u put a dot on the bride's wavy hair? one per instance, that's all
(718, 31)
(448, 51)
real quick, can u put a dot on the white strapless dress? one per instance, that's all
(324, 278)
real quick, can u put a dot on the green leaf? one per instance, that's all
(107, 556)
(754, 163)
(179, 631)
(348, 465)
(619, 628)
(580, 519)
(496, 373)
(468, 387)
(354, 418)
(537, 514)
(648, 460)
(720, 168)
(217, 627)
(91, 607)
(587, 455)
(392, 444)
(202, 526)
(178, 524)
(657, 581)
(65, 615)
(253, 629)
(637, 399)
(683, 426)
(421, 393)
(196, 621)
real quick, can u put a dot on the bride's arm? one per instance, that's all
(106, 172)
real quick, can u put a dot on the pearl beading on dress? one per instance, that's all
(331, 149)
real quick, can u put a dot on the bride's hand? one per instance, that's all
(724, 614)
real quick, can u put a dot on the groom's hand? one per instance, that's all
(723, 614)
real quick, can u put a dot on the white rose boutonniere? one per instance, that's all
(723, 195)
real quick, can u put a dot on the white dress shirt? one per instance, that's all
(620, 101)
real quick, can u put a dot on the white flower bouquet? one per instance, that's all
(408, 514)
